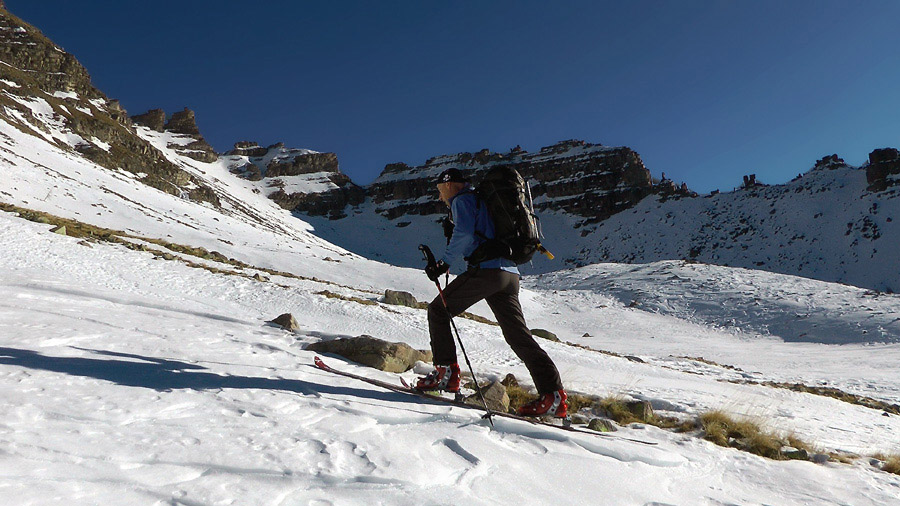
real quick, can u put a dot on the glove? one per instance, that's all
(434, 271)
(447, 223)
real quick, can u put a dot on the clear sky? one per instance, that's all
(705, 91)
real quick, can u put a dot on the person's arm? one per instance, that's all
(464, 210)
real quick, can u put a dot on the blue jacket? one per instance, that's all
(470, 215)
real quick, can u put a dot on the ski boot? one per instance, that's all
(552, 405)
(444, 378)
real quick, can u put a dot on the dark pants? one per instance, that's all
(501, 291)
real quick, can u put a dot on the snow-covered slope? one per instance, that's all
(185, 395)
(132, 380)
(824, 225)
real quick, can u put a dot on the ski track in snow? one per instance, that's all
(131, 380)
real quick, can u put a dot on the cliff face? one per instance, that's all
(589, 181)
(296, 179)
(47, 93)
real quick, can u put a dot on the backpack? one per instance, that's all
(516, 233)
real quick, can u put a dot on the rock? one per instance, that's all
(820, 458)
(287, 322)
(494, 395)
(602, 425)
(303, 164)
(373, 352)
(578, 419)
(545, 334)
(154, 119)
(248, 148)
(587, 180)
(61, 230)
(642, 410)
(586, 335)
(183, 122)
(42, 65)
(830, 162)
(400, 298)
(883, 163)
(634, 359)
(510, 381)
(794, 454)
(260, 277)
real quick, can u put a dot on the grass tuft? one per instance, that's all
(748, 435)
(891, 462)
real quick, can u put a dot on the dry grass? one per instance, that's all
(747, 434)
(332, 295)
(891, 462)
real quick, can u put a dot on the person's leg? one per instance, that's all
(460, 294)
(508, 311)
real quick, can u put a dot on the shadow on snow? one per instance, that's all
(163, 374)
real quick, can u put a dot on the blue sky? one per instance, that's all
(705, 91)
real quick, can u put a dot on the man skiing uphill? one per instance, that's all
(494, 280)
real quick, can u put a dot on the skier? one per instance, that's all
(497, 282)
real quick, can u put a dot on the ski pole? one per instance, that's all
(429, 257)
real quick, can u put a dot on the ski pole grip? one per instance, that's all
(426, 252)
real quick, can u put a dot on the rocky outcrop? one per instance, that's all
(587, 180)
(309, 163)
(250, 149)
(297, 179)
(43, 72)
(26, 50)
(883, 170)
(154, 119)
(183, 122)
(829, 162)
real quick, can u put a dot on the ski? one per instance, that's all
(406, 389)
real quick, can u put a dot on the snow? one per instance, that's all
(128, 379)
(132, 380)
(100, 144)
(66, 95)
(11, 84)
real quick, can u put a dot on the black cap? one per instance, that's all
(452, 176)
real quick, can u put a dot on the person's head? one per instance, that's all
(449, 183)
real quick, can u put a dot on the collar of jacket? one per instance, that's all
(468, 189)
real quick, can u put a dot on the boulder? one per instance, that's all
(61, 230)
(601, 425)
(374, 352)
(642, 410)
(545, 334)
(400, 298)
(287, 322)
(494, 395)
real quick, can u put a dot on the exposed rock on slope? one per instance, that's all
(47, 93)
(589, 181)
(296, 179)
